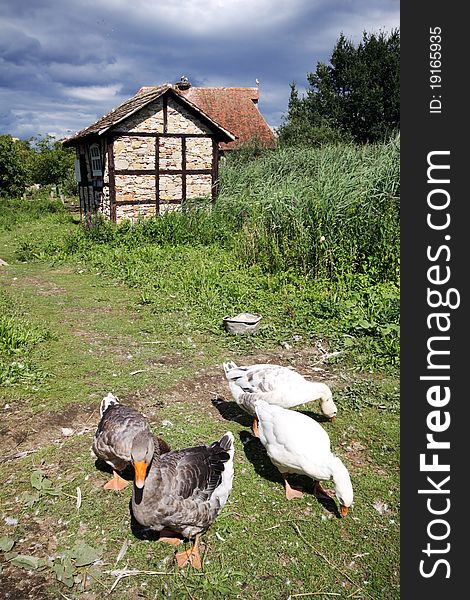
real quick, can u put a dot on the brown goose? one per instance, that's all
(119, 429)
(184, 492)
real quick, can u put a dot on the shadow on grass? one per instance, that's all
(230, 411)
(256, 454)
(315, 416)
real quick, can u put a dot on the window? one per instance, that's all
(95, 157)
(78, 175)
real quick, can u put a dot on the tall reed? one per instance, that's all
(326, 211)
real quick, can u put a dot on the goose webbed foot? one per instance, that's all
(117, 483)
(170, 537)
(190, 557)
(321, 493)
(291, 492)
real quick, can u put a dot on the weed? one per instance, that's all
(18, 337)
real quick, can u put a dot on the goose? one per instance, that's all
(277, 385)
(297, 444)
(184, 492)
(121, 427)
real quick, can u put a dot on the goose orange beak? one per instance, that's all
(343, 510)
(140, 469)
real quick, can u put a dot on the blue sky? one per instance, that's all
(64, 63)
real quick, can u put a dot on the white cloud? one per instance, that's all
(213, 18)
(94, 93)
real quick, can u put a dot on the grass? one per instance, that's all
(115, 310)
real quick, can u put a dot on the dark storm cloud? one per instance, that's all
(63, 64)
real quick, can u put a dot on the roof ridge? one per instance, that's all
(224, 87)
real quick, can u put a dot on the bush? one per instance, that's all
(15, 166)
(302, 133)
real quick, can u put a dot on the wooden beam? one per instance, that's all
(215, 170)
(112, 182)
(188, 135)
(157, 175)
(183, 169)
(165, 113)
(147, 202)
(152, 134)
(163, 171)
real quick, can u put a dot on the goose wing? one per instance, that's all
(193, 472)
(263, 378)
(292, 440)
(117, 428)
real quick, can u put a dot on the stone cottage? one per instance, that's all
(162, 147)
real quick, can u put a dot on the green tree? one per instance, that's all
(15, 166)
(357, 94)
(53, 164)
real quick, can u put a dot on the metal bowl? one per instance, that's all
(242, 323)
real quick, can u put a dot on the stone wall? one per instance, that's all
(170, 154)
(198, 186)
(171, 187)
(149, 118)
(198, 153)
(134, 212)
(180, 120)
(135, 188)
(137, 153)
(134, 153)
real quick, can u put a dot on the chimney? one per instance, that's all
(183, 83)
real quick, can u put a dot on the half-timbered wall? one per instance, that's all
(157, 159)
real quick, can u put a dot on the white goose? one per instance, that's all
(277, 385)
(296, 443)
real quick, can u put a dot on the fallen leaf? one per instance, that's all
(84, 554)
(29, 499)
(37, 479)
(6, 544)
(27, 562)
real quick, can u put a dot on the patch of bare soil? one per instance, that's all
(23, 432)
(43, 287)
(17, 584)
(357, 456)
(208, 387)
(307, 361)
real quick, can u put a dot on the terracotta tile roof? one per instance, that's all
(235, 109)
(143, 97)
